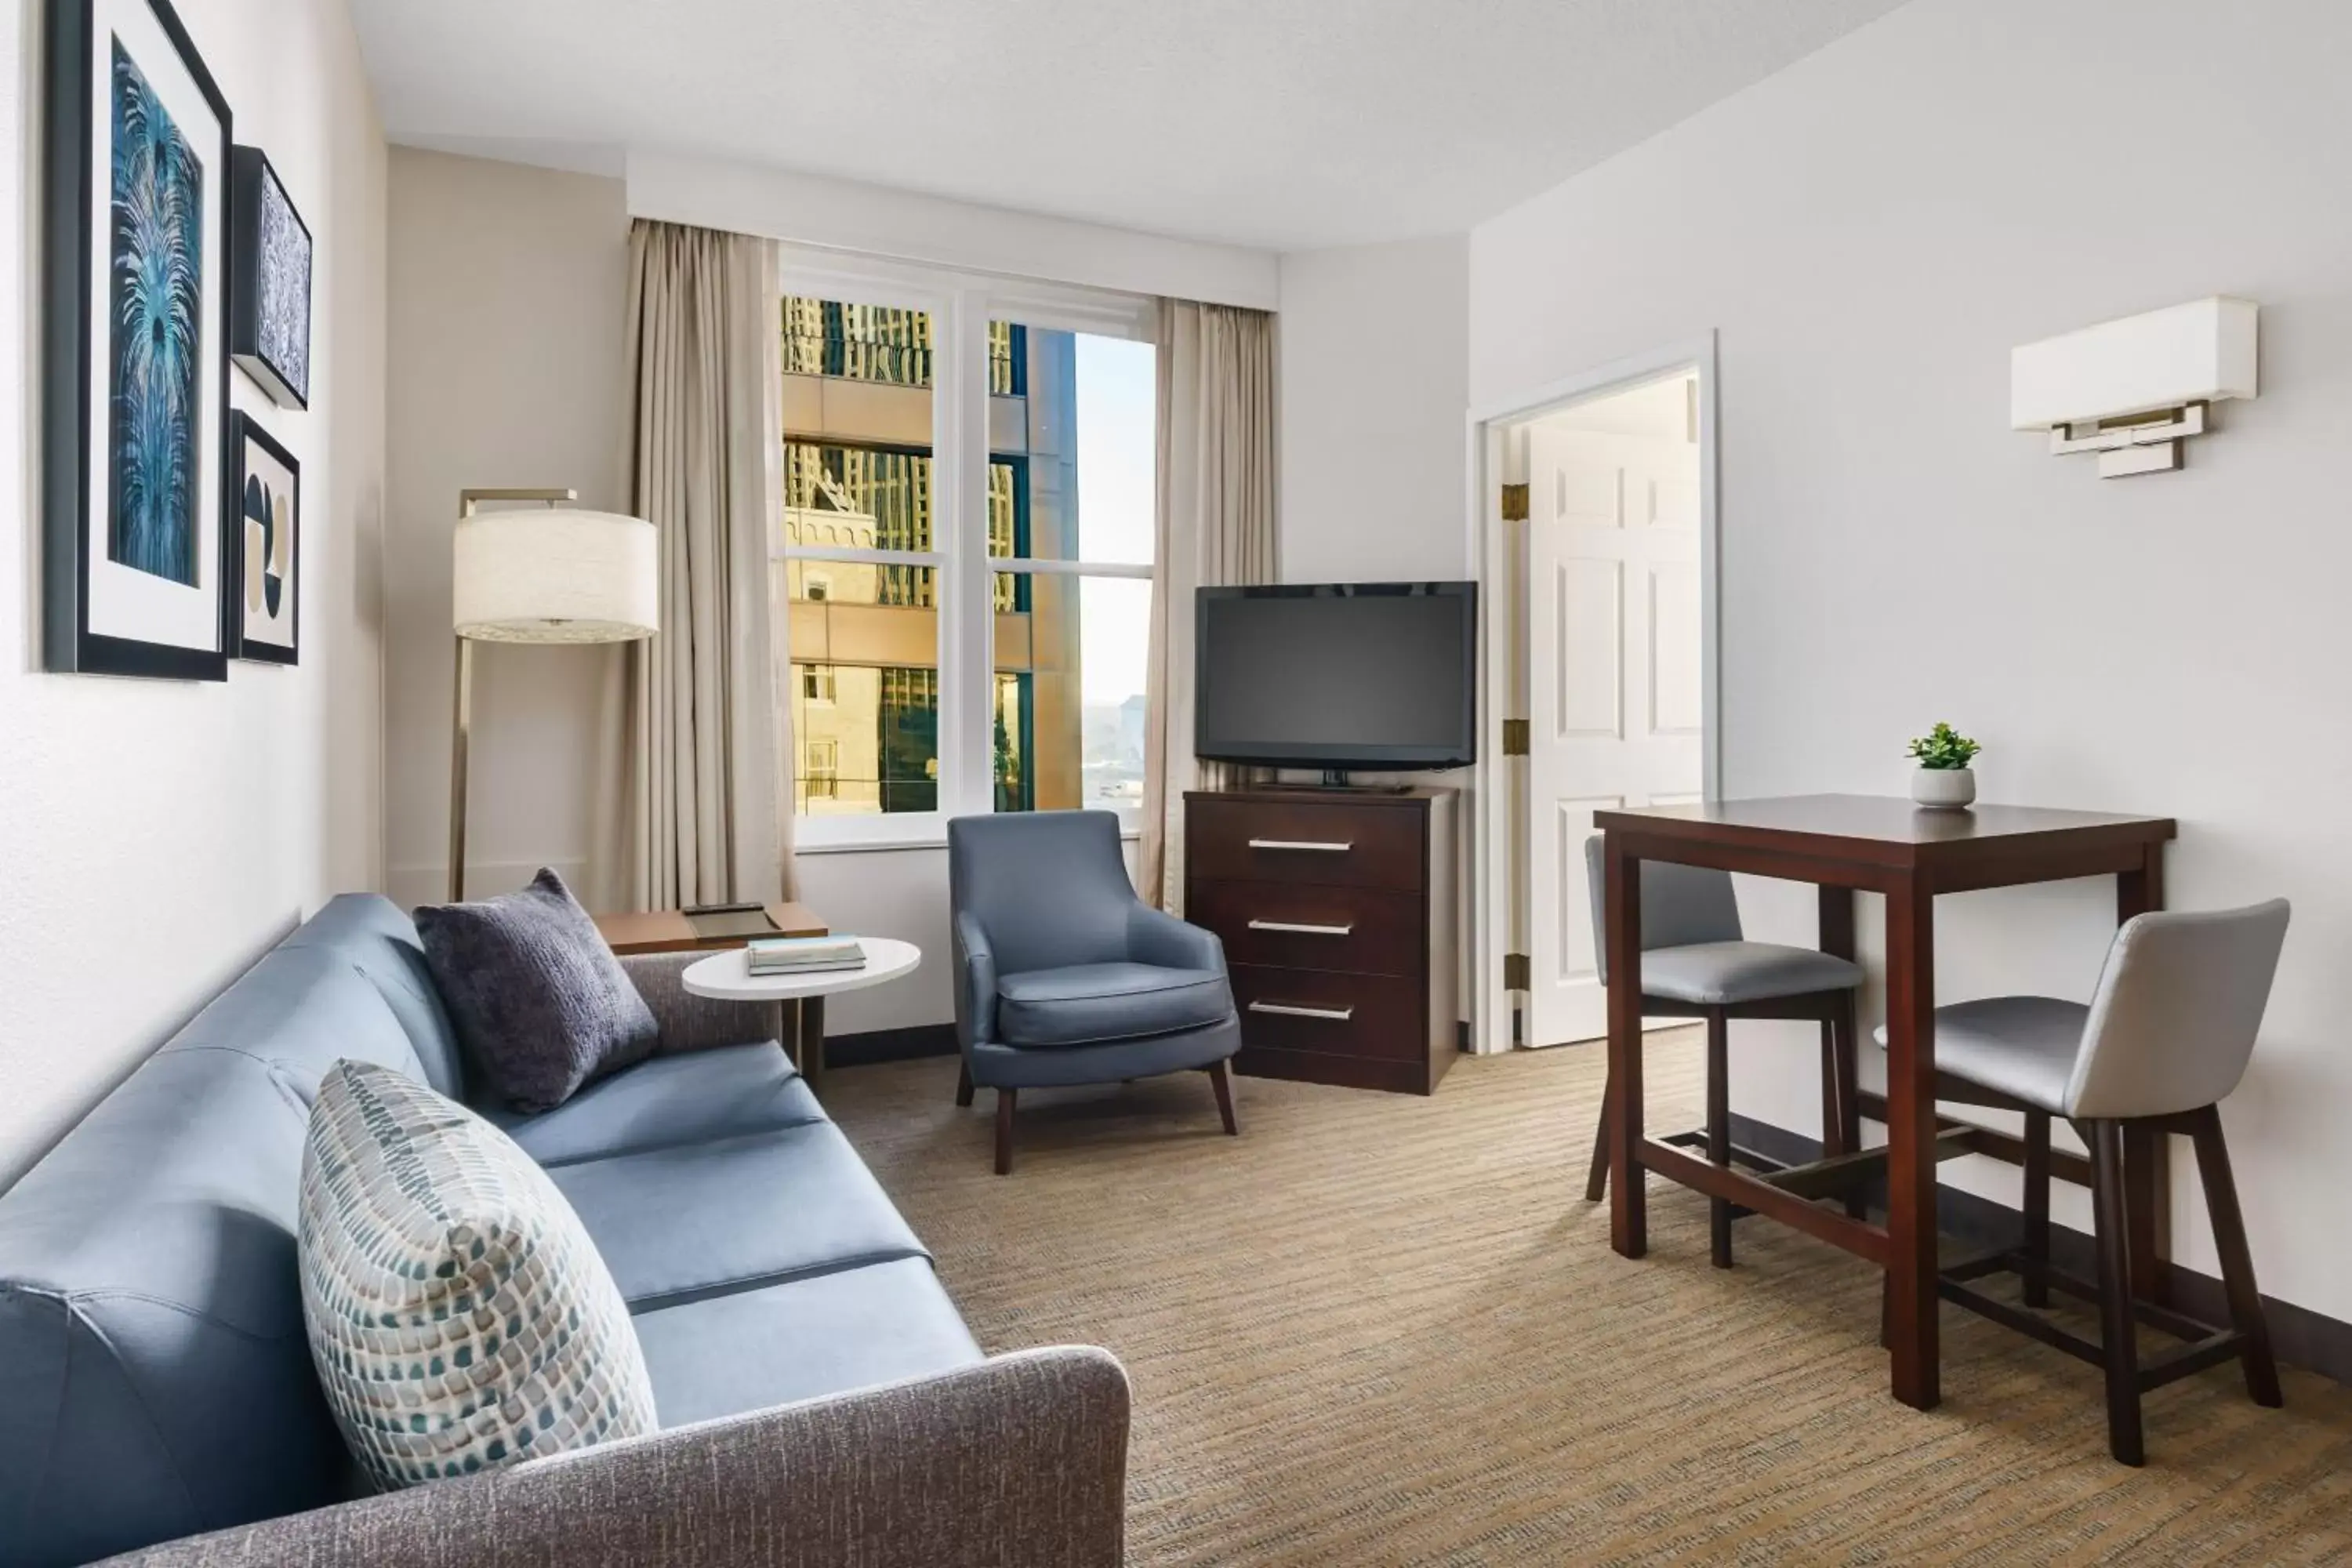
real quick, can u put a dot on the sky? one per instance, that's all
(1117, 440)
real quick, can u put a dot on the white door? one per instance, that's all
(1614, 693)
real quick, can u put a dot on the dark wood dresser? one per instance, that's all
(1337, 912)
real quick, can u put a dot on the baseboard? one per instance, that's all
(876, 1045)
(2302, 1337)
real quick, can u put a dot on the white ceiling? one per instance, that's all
(1281, 124)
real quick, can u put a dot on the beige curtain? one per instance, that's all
(696, 813)
(1215, 521)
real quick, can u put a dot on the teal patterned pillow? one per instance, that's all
(459, 1316)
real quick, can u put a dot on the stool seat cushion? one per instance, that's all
(2023, 1047)
(1720, 973)
(1081, 1004)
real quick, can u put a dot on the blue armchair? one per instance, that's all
(1063, 976)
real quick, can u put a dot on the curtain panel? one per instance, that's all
(696, 809)
(1215, 526)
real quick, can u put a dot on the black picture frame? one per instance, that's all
(258, 269)
(73, 188)
(280, 541)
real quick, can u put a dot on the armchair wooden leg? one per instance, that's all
(2036, 1286)
(1718, 1130)
(1596, 1186)
(2117, 1339)
(2237, 1259)
(1004, 1098)
(1222, 1083)
(964, 1084)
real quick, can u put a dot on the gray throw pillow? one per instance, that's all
(458, 1315)
(540, 1002)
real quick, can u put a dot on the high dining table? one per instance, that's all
(1845, 843)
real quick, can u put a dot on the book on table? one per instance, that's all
(803, 954)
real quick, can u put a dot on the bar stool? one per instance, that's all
(1695, 963)
(2163, 1042)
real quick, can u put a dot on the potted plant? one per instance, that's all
(1945, 781)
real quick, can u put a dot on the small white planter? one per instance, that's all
(1943, 789)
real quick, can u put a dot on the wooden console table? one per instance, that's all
(1844, 843)
(673, 931)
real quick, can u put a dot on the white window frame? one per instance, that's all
(961, 305)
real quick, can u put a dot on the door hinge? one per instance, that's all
(1515, 737)
(1515, 972)
(1514, 503)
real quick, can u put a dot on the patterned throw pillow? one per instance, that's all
(459, 1314)
(539, 999)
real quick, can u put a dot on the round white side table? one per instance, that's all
(727, 977)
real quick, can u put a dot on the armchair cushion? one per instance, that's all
(1083, 1004)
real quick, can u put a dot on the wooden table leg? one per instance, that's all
(1629, 1230)
(809, 1038)
(1911, 1143)
(2147, 1153)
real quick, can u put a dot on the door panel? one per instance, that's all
(1615, 686)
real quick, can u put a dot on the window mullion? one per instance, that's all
(968, 676)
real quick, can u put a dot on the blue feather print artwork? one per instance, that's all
(157, 346)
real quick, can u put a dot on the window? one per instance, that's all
(963, 561)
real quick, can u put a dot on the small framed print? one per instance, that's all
(270, 280)
(265, 511)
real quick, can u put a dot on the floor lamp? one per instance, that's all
(557, 575)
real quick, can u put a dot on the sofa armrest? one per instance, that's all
(1021, 1461)
(691, 1023)
(975, 981)
(1155, 936)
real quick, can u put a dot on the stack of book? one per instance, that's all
(803, 954)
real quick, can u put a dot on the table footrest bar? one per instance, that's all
(1857, 1237)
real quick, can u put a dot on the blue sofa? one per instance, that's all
(820, 1396)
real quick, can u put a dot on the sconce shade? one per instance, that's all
(555, 577)
(2201, 351)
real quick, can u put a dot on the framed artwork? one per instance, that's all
(136, 552)
(264, 510)
(270, 280)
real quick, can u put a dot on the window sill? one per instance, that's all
(934, 838)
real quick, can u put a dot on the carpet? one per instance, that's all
(1377, 1329)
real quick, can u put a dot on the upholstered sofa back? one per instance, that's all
(154, 1377)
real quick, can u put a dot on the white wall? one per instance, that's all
(159, 834)
(1372, 385)
(507, 293)
(1871, 231)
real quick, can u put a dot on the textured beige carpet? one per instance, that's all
(1378, 1329)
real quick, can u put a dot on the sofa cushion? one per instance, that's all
(459, 1314)
(701, 1219)
(723, 1092)
(296, 1012)
(371, 934)
(1085, 1003)
(539, 999)
(802, 1340)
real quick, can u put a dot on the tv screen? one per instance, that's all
(1337, 675)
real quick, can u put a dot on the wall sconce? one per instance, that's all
(2131, 389)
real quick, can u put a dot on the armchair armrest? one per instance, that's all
(975, 981)
(691, 1023)
(1020, 1461)
(1155, 936)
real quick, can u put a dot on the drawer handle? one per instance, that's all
(1340, 1015)
(1302, 929)
(1319, 846)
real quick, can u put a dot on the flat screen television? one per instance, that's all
(1337, 675)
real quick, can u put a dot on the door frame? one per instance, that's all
(1497, 781)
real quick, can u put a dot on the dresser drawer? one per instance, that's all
(1340, 844)
(1378, 1016)
(1310, 925)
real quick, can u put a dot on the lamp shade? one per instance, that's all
(555, 577)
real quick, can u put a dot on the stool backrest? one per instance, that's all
(2178, 1008)
(1681, 905)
